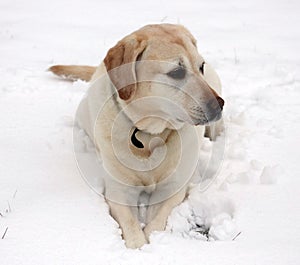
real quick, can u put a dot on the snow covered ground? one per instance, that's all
(49, 213)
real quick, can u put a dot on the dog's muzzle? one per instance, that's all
(211, 112)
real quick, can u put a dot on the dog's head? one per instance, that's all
(162, 80)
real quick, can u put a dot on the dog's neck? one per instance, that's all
(143, 143)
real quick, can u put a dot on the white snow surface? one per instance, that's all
(251, 214)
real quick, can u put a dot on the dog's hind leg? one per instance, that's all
(214, 130)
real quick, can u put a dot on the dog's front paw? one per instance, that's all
(153, 226)
(135, 240)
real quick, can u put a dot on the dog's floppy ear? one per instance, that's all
(120, 65)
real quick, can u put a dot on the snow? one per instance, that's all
(269, 174)
(53, 217)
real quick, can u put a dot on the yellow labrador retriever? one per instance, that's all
(146, 112)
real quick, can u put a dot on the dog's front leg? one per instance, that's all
(132, 233)
(158, 213)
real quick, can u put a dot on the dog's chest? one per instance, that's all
(156, 156)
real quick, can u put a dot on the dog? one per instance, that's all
(147, 109)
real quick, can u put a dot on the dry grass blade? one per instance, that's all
(9, 208)
(236, 236)
(4, 233)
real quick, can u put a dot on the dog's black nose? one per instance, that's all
(216, 104)
(221, 102)
(214, 109)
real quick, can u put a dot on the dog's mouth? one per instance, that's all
(202, 118)
(209, 120)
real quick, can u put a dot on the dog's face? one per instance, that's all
(162, 80)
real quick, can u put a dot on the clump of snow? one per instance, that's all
(223, 227)
(270, 174)
(204, 216)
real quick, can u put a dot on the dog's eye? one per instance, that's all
(178, 73)
(201, 68)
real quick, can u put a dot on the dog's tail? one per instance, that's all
(73, 72)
